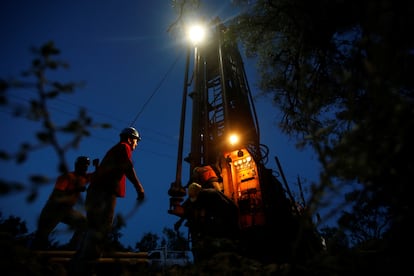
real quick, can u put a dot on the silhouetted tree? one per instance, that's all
(366, 222)
(13, 226)
(175, 241)
(36, 78)
(15, 255)
(335, 239)
(148, 242)
(339, 74)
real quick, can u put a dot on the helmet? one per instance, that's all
(130, 132)
(82, 160)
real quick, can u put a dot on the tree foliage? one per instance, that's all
(39, 79)
(174, 240)
(339, 72)
(149, 241)
(13, 226)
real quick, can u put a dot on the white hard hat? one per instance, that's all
(130, 132)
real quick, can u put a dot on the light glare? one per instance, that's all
(234, 139)
(196, 34)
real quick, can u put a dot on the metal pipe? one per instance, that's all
(178, 174)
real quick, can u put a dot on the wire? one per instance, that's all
(155, 90)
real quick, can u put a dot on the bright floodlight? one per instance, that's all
(196, 34)
(234, 139)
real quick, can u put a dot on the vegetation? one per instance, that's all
(339, 71)
(36, 78)
(340, 74)
(18, 259)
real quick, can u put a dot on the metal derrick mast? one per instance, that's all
(222, 106)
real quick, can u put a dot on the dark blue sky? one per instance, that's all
(122, 50)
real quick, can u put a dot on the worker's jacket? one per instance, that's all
(110, 175)
(68, 188)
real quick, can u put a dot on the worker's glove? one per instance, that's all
(140, 196)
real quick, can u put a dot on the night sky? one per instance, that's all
(133, 70)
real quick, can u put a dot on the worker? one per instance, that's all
(108, 183)
(59, 207)
(212, 218)
(207, 177)
(189, 212)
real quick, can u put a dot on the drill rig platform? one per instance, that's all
(223, 108)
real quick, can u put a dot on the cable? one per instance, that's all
(155, 90)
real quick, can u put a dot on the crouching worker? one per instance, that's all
(213, 220)
(59, 207)
(207, 177)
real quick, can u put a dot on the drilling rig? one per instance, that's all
(222, 108)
